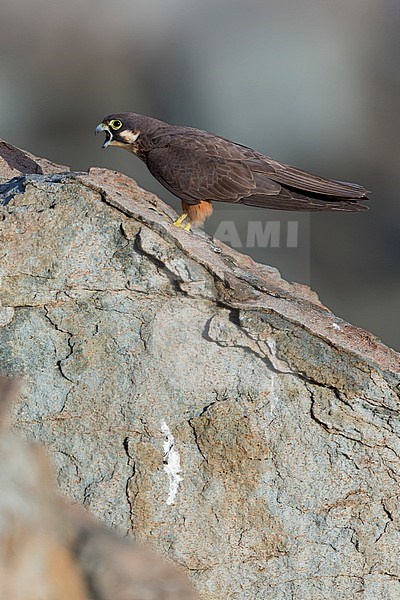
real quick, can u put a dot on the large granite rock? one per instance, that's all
(193, 398)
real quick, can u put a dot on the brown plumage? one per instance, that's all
(200, 167)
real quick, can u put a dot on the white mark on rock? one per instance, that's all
(273, 398)
(172, 463)
(336, 326)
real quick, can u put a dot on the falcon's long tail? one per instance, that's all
(298, 190)
(291, 200)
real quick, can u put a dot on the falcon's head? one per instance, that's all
(136, 133)
(120, 129)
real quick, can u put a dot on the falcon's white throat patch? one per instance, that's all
(129, 137)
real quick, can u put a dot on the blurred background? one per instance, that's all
(309, 82)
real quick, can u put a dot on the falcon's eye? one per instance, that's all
(116, 124)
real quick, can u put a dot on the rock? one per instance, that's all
(195, 399)
(15, 162)
(52, 551)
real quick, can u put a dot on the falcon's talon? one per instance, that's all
(179, 221)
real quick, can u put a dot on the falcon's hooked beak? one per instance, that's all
(109, 135)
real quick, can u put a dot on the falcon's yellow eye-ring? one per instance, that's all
(116, 124)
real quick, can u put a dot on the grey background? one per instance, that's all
(315, 84)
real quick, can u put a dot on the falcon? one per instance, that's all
(200, 167)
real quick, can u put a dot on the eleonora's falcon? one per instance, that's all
(199, 167)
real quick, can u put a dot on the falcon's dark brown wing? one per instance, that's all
(194, 176)
(196, 166)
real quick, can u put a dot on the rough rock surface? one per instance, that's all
(196, 399)
(50, 550)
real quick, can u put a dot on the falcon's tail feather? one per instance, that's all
(290, 200)
(308, 182)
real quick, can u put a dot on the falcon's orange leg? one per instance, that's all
(194, 213)
(198, 213)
